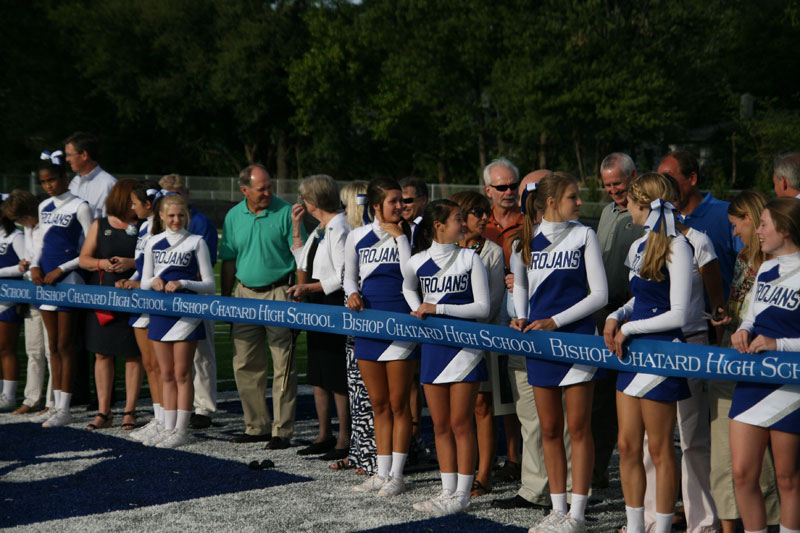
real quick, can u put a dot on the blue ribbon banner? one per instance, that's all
(655, 357)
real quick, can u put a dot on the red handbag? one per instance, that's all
(103, 316)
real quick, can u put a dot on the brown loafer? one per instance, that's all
(23, 409)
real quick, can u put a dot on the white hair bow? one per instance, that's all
(529, 188)
(55, 157)
(661, 211)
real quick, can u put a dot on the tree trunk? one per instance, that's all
(282, 156)
(543, 150)
(733, 159)
(298, 160)
(481, 156)
(440, 162)
(579, 157)
(250, 152)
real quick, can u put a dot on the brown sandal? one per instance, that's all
(127, 426)
(106, 423)
(479, 489)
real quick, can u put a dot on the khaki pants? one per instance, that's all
(250, 370)
(205, 373)
(38, 351)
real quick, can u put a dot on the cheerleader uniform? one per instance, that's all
(372, 266)
(177, 256)
(141, 321)
(566, 281)
(454, 279)
(12, 248)
(657, 311)
(64, 220)
(774, 312)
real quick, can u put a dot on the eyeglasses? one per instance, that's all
(478, 212)
(504, 188)
(409, 200)
(70, 154)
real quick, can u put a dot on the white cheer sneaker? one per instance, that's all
(59, 418)
(174, 438)
(392, 487)
(371, 484)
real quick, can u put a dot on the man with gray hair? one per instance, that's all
(786, 175)
(256, 250)
(501, 182)
(615, 232)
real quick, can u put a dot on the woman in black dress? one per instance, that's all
(108, 254)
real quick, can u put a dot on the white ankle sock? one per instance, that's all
(182, 420)
(57, 399)
(784, 529)
(66, 400)
(578, 508)
(559, 502)
(464, 487)
(635, 516)
(170, 417)
(762, 531)
(384, 465)
(10, 389)
(449, 482)
(664, 522)
(158, 413)
(398, 464)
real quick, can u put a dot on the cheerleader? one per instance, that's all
(660, 281)
(172, 260)
(454, 284)
(559, 281)
(143, 198)
(65, 220)
(12, 249)
(763, 414)
(373, 279)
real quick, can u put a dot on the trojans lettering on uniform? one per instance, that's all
(54, 218)
(562, 259)
(777, 296)
(164, 257)
(378, 255)
(443, 284)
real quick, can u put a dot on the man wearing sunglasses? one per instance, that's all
(415, 198)
(501, 181)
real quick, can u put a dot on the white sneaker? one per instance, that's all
(427, 505)
(557, 522)
(42, 415)
(6, 403)
(158, 434)
(145, 432)
(59, 418)
(392, 487)
(445, 506)
(372, 484)
(174, 439)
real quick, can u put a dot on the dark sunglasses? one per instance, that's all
(504, 188)
(408, 200)
(478, 212)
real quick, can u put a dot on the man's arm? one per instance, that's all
(228, 277)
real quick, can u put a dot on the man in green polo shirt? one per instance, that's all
(256, 251)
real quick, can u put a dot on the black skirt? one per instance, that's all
(327, 354)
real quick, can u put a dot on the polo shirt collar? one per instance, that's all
(518, 221)
(95, 171)
(701, 208)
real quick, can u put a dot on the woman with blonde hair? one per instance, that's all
(764, 414)
(744, 214)
(660, 281)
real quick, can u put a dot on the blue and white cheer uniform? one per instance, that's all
(774, 312)
(141, 321)
(64, 221)
(565, 281)
(658, 311)
(455, 280)
(372, 260)
(177, 256)
(12, 249)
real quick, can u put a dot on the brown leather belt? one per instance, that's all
(264, 288)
